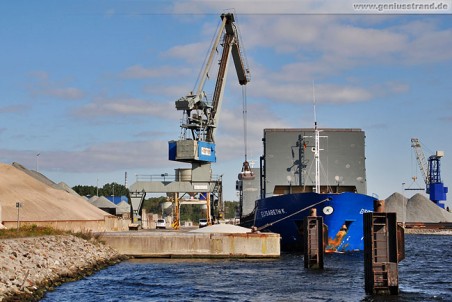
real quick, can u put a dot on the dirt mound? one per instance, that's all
(40, 199)
(416, 209)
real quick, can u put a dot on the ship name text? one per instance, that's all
(272, 212)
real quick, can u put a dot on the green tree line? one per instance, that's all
(107, 190)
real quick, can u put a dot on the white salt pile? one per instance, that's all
(223, 228)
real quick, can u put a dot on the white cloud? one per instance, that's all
(140, 72)
(355, 43)
(66, 93)
(391, 87)
(43, 86)
(14, 108)
(126, 107)
(230, 134)
(432, 46)
(170, 91)
(303, 92)
(110, 12)
(193, 53)
(105, 157)
(337, 43)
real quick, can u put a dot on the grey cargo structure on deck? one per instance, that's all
(288, 163)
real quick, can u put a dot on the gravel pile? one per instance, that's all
(416, 209)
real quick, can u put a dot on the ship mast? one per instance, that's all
(316, 147)
(317, 159)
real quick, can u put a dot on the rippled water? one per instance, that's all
(424, 275)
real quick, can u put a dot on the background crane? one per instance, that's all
(431, 173)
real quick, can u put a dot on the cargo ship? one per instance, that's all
(291, 185)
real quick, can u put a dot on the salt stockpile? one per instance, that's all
(223, 229)
(416, 209)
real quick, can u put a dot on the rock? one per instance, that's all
(29, 274)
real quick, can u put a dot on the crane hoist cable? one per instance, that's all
(246, 172)
(245, 126)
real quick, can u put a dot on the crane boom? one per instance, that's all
(205, 72)
(200, 117)
(420, 157)
(242, 72)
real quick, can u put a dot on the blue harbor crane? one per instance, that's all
(196, 144)
(200, 116)
(431, 173)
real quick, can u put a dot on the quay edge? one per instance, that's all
(193, 245)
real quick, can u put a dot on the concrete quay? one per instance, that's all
(183, 244)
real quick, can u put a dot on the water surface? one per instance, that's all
(424, 275)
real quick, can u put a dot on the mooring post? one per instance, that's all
(383, 249)
(313, 241)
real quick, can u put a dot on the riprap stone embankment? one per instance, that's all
(31, 266)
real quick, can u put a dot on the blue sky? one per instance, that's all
(91, 85)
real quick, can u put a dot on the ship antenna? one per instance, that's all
(317, 145)
(313, 100)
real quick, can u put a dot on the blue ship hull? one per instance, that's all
(342, 214)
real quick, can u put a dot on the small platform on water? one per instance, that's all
(195, 244)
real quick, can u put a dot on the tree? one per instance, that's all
(107, 190)
(114, 189)
(85, 190)
(152, 205)
(230, 209)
